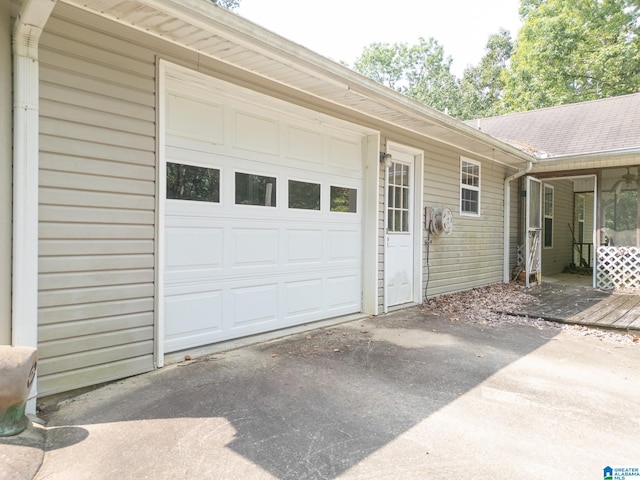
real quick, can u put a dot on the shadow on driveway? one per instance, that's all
(310, 406)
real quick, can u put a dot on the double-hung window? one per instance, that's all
(469, 187)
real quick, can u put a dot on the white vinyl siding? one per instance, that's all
(97, 207)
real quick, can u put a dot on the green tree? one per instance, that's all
(482, 86)
(419, 71)
(228, 4)
(573, 50)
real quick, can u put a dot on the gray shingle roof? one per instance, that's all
(579, 128)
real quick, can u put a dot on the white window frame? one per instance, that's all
(465, 186)
(546, 216)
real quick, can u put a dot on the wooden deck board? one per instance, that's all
(634, 325)
(609, 307)
(630, 317)
(625, 306)
(583, 305)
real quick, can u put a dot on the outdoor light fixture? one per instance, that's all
(386, 159)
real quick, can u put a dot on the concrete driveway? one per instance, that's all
(399, 396)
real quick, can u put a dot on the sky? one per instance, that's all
(340, 29)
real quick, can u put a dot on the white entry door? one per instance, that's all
(399, 237)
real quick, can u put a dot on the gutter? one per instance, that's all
(218, 21)
(507, 218)
(29, 24)
(615, 158)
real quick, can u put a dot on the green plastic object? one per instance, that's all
(17, 371)
(13, 421)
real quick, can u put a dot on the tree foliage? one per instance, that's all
(482, 86)
(228, 4)
(574, 50)
(566, 51)
(419, 71)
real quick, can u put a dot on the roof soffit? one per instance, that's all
(224, 36)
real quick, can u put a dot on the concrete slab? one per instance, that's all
(21, 455)
(399, 396)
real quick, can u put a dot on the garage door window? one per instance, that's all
(304, 195)
(186, 182)
(343, 199)
(255, 190)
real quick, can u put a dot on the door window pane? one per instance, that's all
(398, 198)
(343, 199)
(255, 190)
(186, 182)
(304, 195)
(534, 204)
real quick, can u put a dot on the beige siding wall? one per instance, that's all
(5, 173)
(556, 258)
(97, 207)
(97, 194)
(472, 255)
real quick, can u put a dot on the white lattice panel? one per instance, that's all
(618, 267)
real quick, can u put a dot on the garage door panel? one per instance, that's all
(254, 304)
(343, 293)
(303, 298)
(344, 246)
(305, 145)
(195, 119)
(345, 154)
(255, 247)
(194, 247)
(304, 246)
(256, 133)
(192, 319)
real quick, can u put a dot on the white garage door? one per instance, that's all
(262, 216)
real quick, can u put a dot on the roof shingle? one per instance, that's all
(578, 128)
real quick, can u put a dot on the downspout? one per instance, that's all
(507, 218)
(27, 30)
